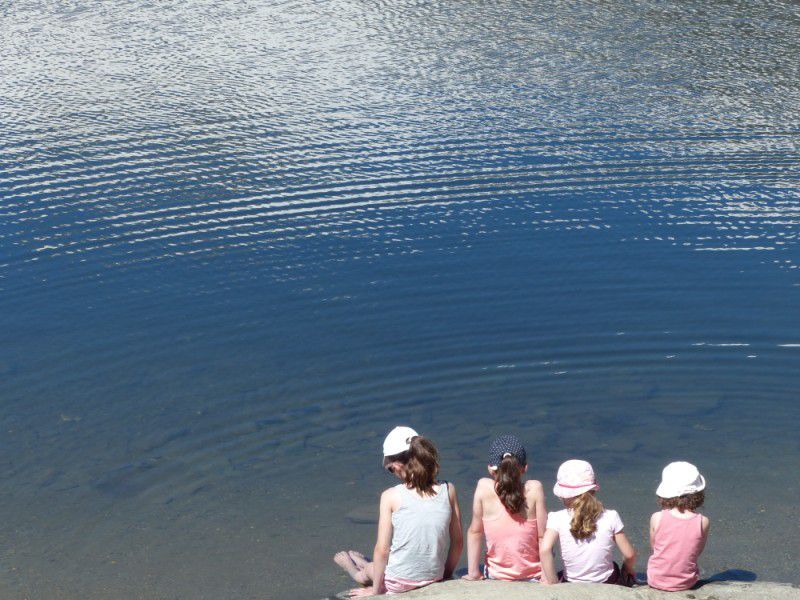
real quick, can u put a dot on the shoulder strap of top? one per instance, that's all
(402, 490)
(443, 492)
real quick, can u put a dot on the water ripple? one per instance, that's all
(238, 238)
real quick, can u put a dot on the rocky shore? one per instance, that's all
(497, 590)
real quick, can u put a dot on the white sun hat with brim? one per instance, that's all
(574, 478)
(680, 478)
(398, 440)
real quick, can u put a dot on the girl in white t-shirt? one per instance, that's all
(586, 531)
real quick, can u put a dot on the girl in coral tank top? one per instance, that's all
(510, 513)
(678, 533)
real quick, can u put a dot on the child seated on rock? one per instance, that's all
(678, 533)
(510, 513)
(586, 531)
(419, 527)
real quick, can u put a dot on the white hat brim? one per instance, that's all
(570, 492)
(665, 490)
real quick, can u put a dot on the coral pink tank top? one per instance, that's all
(512, 547)
(677, 544)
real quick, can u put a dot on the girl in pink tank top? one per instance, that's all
(678, 533)
(510, 514)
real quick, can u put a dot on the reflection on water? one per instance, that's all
(239, 241)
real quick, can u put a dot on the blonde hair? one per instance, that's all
(586, 509)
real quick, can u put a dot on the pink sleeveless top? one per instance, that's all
(677, 544)
(512, 547)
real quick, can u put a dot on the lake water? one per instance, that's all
(240, 240)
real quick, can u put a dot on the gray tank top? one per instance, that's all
(421, 536)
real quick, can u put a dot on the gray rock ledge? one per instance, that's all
(503, 590)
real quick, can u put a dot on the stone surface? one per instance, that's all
(502, 590)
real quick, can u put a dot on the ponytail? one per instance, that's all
(586, 509)
(508, 484)
(422, 465)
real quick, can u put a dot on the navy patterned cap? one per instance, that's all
(504, 445)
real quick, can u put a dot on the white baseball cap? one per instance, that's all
(398, 440)
(680, 478)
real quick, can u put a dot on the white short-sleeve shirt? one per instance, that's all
(590, 560)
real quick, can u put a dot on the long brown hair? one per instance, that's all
(683, 503)
(509, 486)
(421, 462)
(586, 509)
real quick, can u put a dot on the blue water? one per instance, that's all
(240, 240)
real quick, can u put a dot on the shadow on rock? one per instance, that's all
(729, 575)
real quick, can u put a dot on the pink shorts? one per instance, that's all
(398, 586)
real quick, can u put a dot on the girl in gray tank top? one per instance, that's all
(419, 529)
(420, 536)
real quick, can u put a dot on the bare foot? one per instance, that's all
(343, 560)
(359, 559)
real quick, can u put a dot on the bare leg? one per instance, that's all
(360, 575)
(365, 576)
(359, 559)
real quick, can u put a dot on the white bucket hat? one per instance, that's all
(678, 479)
(574, 478)
(398, 440)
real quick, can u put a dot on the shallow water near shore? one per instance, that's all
(239, 241)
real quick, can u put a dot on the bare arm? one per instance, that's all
(706, 525)
(541, 509)
(628, 551)
(546, 546)
(654, 522)
(456, 535)
(475, 537)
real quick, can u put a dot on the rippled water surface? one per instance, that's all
(239, 240)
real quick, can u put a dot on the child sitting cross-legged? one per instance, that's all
(419, 526)
(678, 533)
(510, 513)
(586, 531)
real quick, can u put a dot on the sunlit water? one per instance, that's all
(240, 240)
